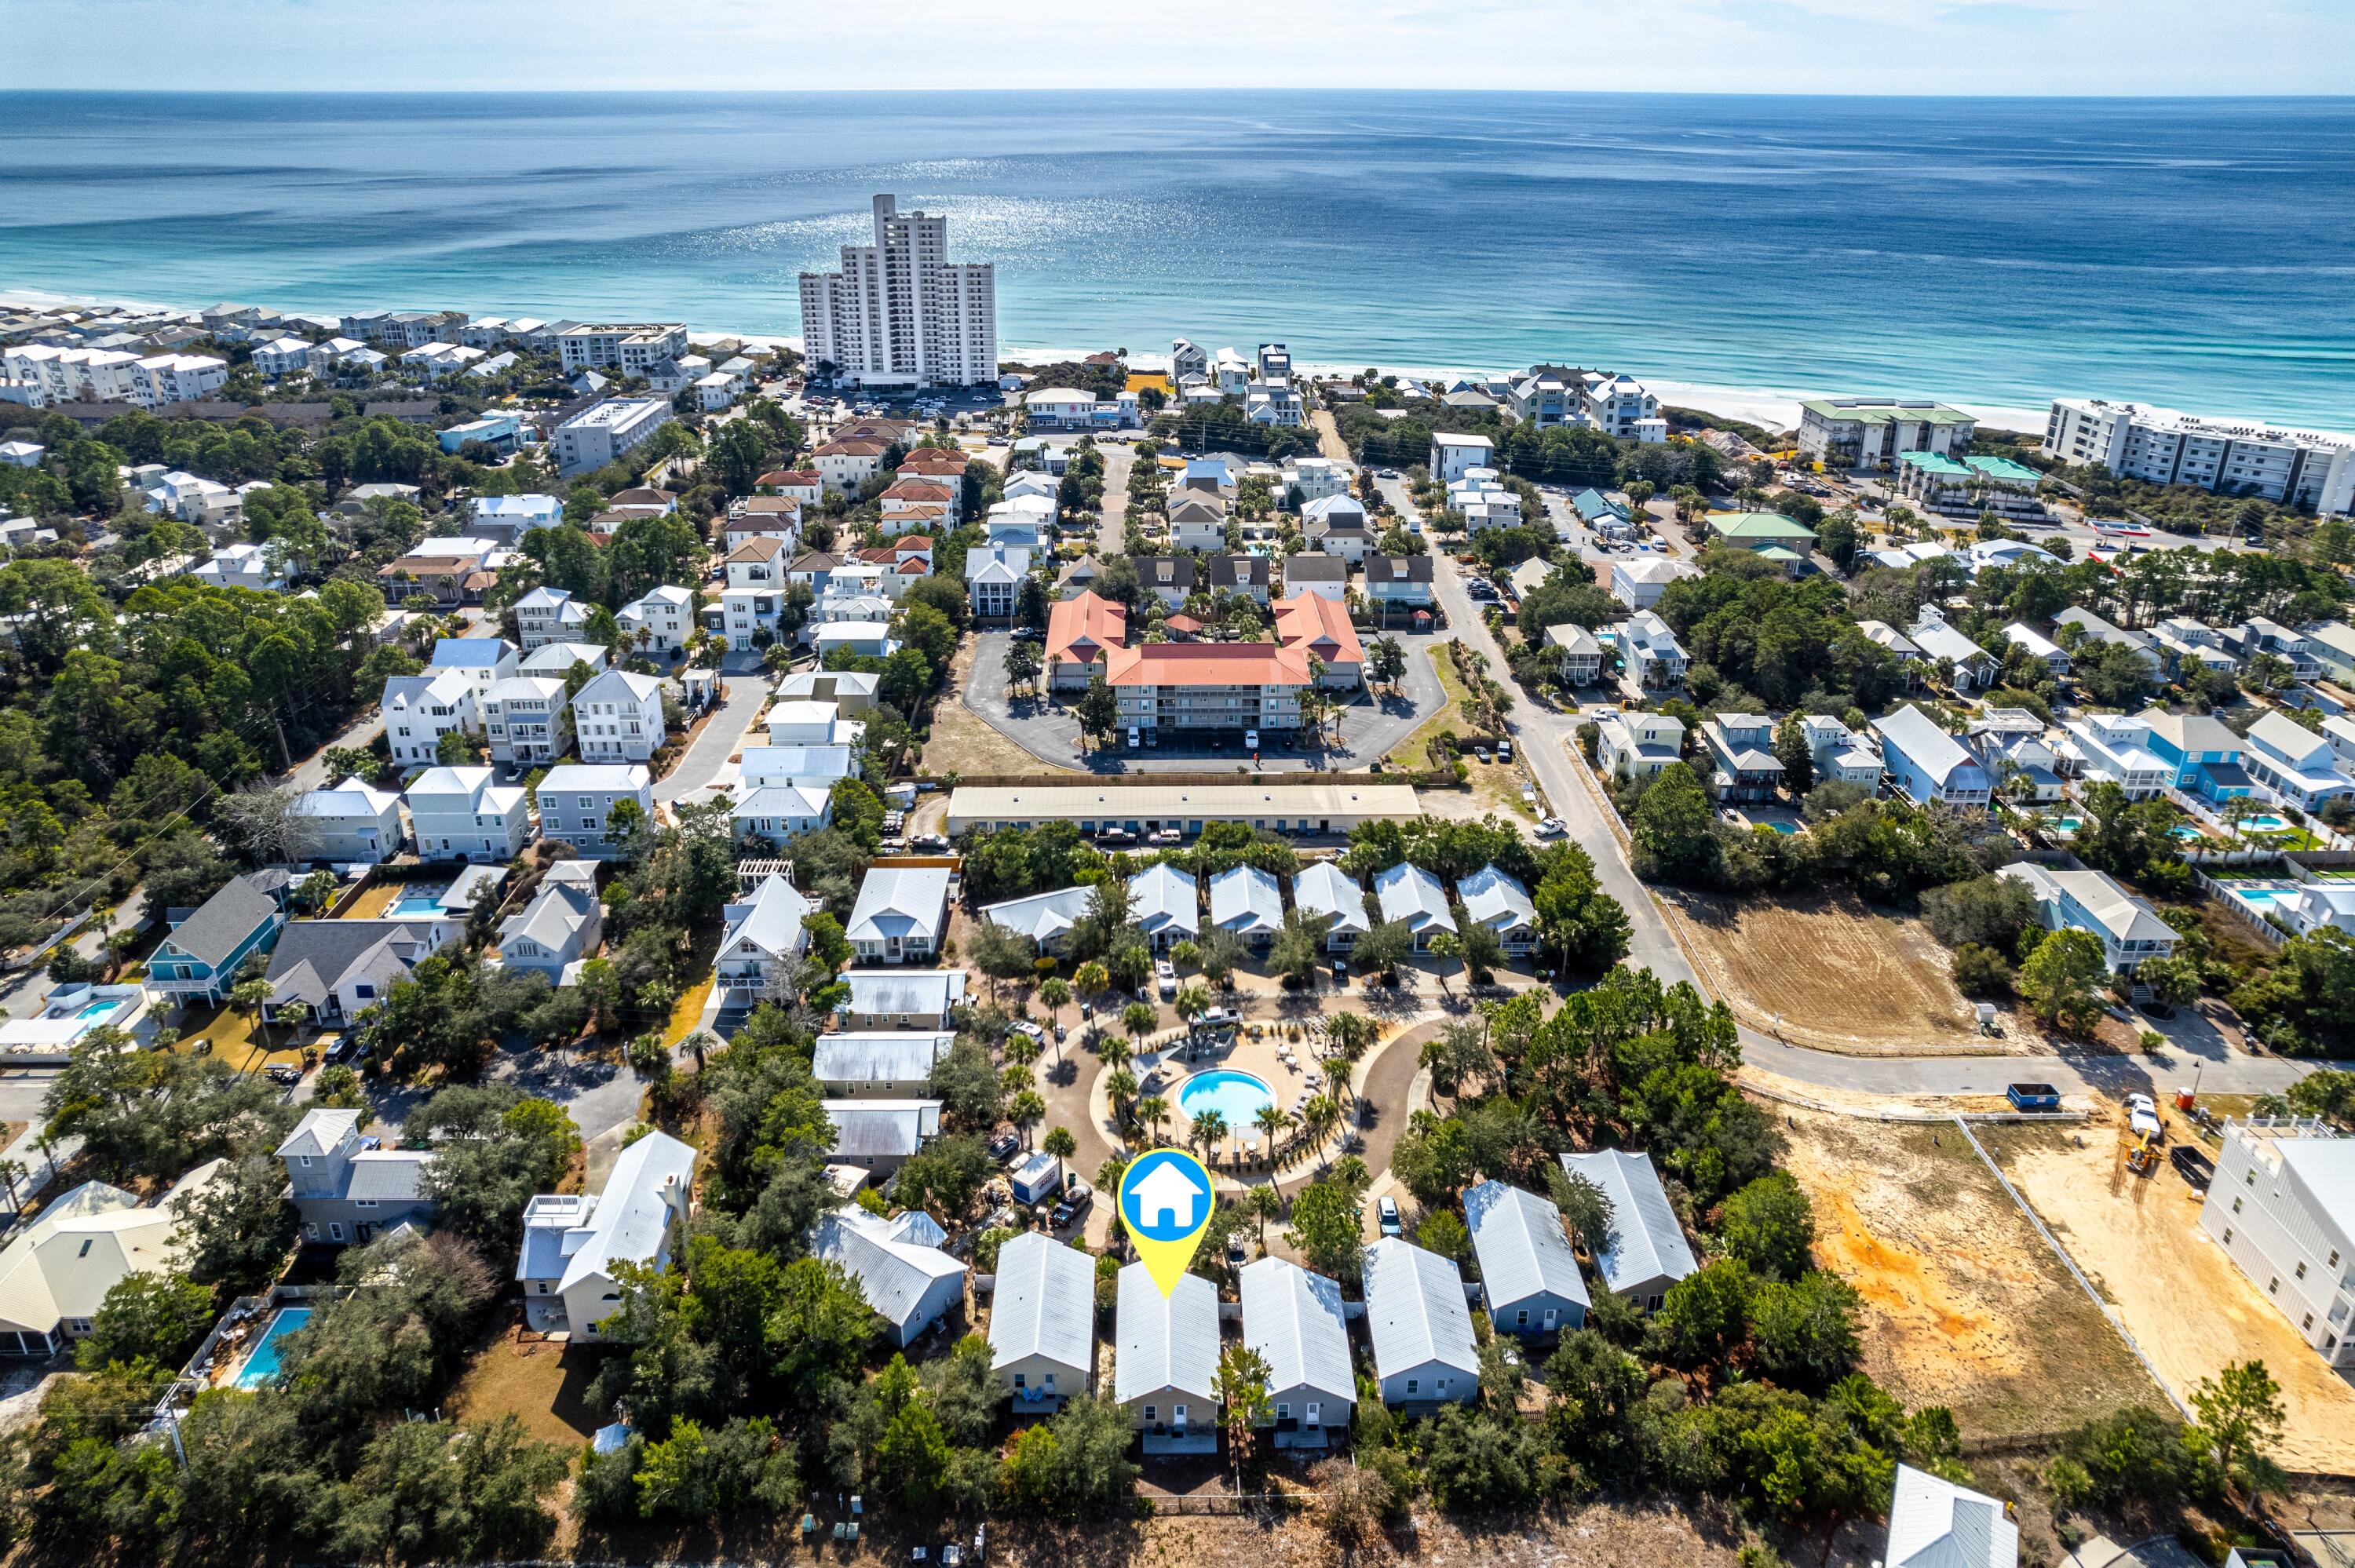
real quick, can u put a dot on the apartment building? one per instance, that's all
(577, 801)
(618, 718)
(637, 349)
(1871, 432)
(1187, 688)
(595, 437)
(2312, 469)
(899, 312)
(2283, 1207)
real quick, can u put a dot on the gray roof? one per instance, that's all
(1168, 1341)
(1310, 567)
(881, 1129)
(1041, 916)
(1245, 900)
(213, 932)
(1398, 568)
(899, 1057)
(1410, 894)
(387, 1175)
(555, 915)
(896, 1261)
(1645, 1243)
(314, 956)
(911, 992)
(2191, 733)
(1523, 1250)
(1237, 571)
(1044, 1304)
(772, 920)
(1939, 640)
(1325, 889)
(1414, 1310)
(901, 901)
(1294, 1320)
(1934, 1523)
(319, 1132)
(1161, 896)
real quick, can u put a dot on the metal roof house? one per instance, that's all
(1294, 1320)
(1927, 764)
(571, 1242)
(1648, 1251)
(1247, 902)
(1324, 890)
(879, 1063)
(1167, 904)
(1500, 903)
(1407, 892)
(878, 1135)
(1528, 1275)
(1168, 1356)
(1042, 1322)
(1424, 1351)
(900, 914)
(764, 940)
(898, 1264)
(1934, 1523)
(901, 999)
(2282, 1205)
(1046, 918)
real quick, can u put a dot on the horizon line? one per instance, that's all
(1197, 93)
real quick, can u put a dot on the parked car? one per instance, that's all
(1549, 827)
(1114, 836)
(1004, 1146)
(2196, 1169)
(1166, 974)
(938, 842)
(1389, 1216)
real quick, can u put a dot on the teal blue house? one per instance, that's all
(199, 961)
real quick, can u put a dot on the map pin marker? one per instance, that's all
(1165, 1202)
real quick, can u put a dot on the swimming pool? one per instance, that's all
(1782, 827)
(2254, 897)
(2068, 824)
(98, 1010)
(2265, 824)
(1237, 1097)
(417, 904)
(262, 1365)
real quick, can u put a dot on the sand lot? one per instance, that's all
(1832, 973)
(1963, 1304)
(2139, 1239)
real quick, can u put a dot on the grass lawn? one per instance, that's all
(1410, 753)
(239, 1041)
(546, 1385)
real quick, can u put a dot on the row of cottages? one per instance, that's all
(574, 1243)
(1248, 902)
(55, 1271)
(520, 708)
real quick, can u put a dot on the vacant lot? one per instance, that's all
(546, 1385)
(962, 742)
(2139, 1239)
(1829, 971)
(1963, 1304)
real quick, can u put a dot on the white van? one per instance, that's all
(1250, 740)
(1133, 741)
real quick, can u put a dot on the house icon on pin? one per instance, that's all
(1165, 1200)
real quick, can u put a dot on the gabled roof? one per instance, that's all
(1161, 896)
(1325, 889)
(770, 921)
(649, 1183)
(1934, 1523)
(1207, 664)
(1246, 900)
(211, 934)
(1407, 892)
(353, 798)
(1414, 1310)
(2284, 737)
(1041, 916)
(2191, 733)
(555, 914)
(624, 687)
(880, 1056)
(1293, 1319)
(1940, 641)
(62, 1265)
(620, 777)
(319, 1134)
(901, 901)
(2120, 913)
(1312, 566)
(890, 1130)
(916, 993)
(1085, 628)
(1497, 900)
(1645, 1242)
(313, 957)
(471, 653)
(896, 1262)
(1165, 1342)
(1522, 1248)
(1044, 1304)
(1927, 746)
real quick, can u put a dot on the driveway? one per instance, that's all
(746, 692)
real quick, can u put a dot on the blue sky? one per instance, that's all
(2037, 46)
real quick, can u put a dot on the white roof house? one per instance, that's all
(1325, 890)
(1248, 902)
(1169, 1355)
(1934, 1523)
(898, 1264)
(1042, 1322)
(763, 938)
(883, 1062)
(1647, 1251)
(1424, 1351)
(901, 999)
(1044, 917)
(560, 926)
(900, 914)
(1499, 902)
(877, 1134)
(1294, 1320)
(352, 822)
(1167, 904)
(1528, 1275)
(571, 1242)
(1407, 892)
(58, 1270)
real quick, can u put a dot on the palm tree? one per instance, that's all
(1120, 1089)
(1054, 995)
(1138, 1018)
(1060, 1143)
(1021, 1050)
(250, 997)
(1091, 979)
(1446, 946)
(1114, 1050)
(10, 1172)
(1017, 1080)
(295, 1014)
(1207, 1129)
(1151, 1112)
(1027, 1112)
(1273, 1119)
(1191, 1003)
(1264, 1203)
(1320, 1116)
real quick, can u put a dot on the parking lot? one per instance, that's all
(1044, 725)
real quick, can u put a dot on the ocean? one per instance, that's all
(1991, 252)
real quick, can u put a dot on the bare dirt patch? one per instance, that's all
(962, 741)
(1830, 972)
(544, 1383)
(1963, 1304)
(2139, 1239)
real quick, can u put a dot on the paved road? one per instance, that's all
(747, 690)
(1544, 736)
(1111, 528)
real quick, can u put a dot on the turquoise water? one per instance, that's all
(418, 904)
(1238, 1096)
(1783, 827)
(98, 1010)
(2068, 824)
(2000, 250)
(261, 1365)
(2268, 824)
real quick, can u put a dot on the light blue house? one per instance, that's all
(2205, 755)
(199, 960)
(1926, 764)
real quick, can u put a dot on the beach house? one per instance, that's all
(353, 823)
(1296, 1323)
(1167, 1360)
(1646, 1251)
(205, 947)
(763, 941)
(1424, 1356)
(1167, 904)
(900, 914)
(57, 1270)
(1323, 891)
(2130, 930)
(573, 1243)
(897, 1263)
(1530, 1281)
(1926, 764)
(1407, 892)
(1042, 1320)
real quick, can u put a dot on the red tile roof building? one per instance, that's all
(1082, 634)
(1209, 686)
(1315, 624)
